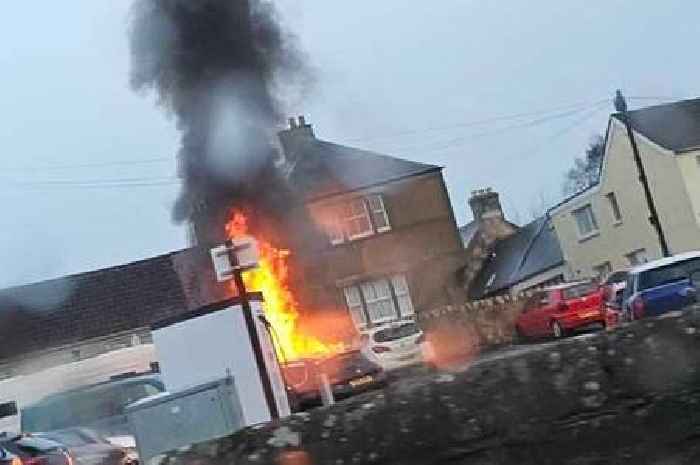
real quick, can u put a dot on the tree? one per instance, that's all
(586, 170)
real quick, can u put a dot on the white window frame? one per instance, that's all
(380, 211)
(363, 215)
(588, 210)
(380, 301)
(637, 257)
(353, 300)
(614, 207)
(399, 296)
(606, 267)
(338, 227)
(403, 295)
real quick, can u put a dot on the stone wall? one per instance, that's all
(460, 331)
(628, 396)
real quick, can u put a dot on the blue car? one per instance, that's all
(662, 286)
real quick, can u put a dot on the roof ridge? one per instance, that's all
(378, 154)
(92, 272)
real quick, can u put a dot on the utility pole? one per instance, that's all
(621, 107)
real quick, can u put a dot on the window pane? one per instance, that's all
(614, 206)
(585, 220)
(400, 284)
(352, 296)
(358, 316)
(379, 220)
(375, 203)
(405, 305)
(357, 207)
(378, 212)
(382, 287)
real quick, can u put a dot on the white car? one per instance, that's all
(394, 345)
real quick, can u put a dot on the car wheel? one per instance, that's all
(558, 330)
(518, 336)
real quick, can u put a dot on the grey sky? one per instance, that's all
(388, 75)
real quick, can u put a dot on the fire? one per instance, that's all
(281, 308)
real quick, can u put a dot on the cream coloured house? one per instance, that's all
(607, 227)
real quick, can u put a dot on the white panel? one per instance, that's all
(209, 347)
(265, 335)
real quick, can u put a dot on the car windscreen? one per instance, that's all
(346, 366)
(617, 277)
(669, 274)
(396, 332)
(580, 290)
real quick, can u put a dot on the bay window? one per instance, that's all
(378, 301)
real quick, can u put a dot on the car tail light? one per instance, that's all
(380, 349)
(638, 307)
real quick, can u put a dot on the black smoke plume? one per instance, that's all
(215, 65)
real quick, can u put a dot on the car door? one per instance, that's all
(524, 321)
(545, 311)
(667, 288)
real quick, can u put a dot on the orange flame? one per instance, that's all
(271, 278)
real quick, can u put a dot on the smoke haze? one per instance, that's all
(214, 64)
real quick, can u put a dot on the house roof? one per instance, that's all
(324, 169)
(74, 308)
(468, 231)
(533, 249)
(674, 126)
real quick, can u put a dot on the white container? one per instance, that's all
(218, 341)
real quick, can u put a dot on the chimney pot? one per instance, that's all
(292, 123)
(485, 203)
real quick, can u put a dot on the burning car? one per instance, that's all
(348, 373)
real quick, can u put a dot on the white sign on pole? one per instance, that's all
(245, 251)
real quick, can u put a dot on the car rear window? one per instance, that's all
(346, 366)
(669, 273)
(580, 290)
(396, 332)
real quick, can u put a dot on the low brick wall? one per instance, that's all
(628, 396)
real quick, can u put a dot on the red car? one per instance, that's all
(559, 310)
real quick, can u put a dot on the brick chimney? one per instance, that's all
(485, 203)
(294, 138)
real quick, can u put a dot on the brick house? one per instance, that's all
(384, 241)
(391, 245)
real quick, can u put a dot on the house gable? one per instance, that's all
(612, 239)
